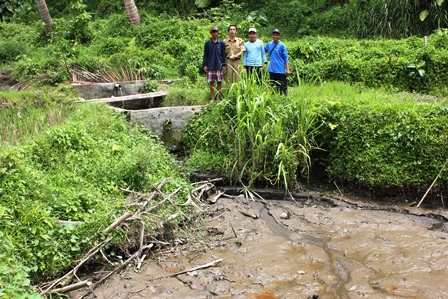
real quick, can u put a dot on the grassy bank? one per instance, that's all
(359, 137)
(73, 169)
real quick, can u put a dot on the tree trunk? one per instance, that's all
(44, 14)
(132, 12)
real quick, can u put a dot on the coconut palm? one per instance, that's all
(132, 12)
(44, 14)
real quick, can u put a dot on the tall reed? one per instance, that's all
(272, 135)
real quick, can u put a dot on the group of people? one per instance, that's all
(224, 56)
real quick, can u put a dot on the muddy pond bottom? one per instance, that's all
(284, 249)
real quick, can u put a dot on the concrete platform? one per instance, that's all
(133, 102)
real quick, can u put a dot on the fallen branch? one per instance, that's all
(91, 253)
(430, 187)
(211, 264)
(72, 287)
(117, 222)
(168, 220)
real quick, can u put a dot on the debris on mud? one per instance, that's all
(306, 246)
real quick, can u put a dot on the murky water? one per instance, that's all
(282, 249)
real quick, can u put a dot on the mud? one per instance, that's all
(312, 247)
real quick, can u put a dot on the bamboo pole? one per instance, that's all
(430, 187)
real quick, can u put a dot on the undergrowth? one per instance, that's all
(73, 171)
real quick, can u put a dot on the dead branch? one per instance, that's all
(142, 236)
(72, 287)
(168, 197)
(140, 262)
(430, 187)
(117, 222)
(118, 268)
(168, 220)
(190, 202)
(215, 197)
(253, 216)
(211, 264)
(91, 253)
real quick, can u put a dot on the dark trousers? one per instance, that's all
(279, 81)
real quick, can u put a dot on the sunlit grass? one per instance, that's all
(20, 123)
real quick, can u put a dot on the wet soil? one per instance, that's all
(311, 246)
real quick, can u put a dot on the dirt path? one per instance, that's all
(306, 248)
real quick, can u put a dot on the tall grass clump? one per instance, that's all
(259, 135)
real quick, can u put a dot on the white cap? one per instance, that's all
(252, 30)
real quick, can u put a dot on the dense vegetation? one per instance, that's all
(383, 128)
(72, 171)
(360, 137)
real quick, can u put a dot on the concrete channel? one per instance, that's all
(141, 108)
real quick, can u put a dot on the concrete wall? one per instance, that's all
(167, 122)
(104, 90)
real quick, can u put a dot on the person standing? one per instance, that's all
(255, 57)
(214, 62)
(278, 62)
(234, 50)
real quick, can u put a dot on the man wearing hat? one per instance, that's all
(255, 56)
(279, 64)
(214, 62)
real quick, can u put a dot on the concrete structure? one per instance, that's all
(111, 89)
(142, 108)
(166, 122)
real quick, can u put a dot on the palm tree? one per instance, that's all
(132, 12)
(44, 14)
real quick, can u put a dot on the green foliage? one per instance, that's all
(73, 171)
(373, 63)
(380, 140)
(184, 94)
(259, 136)
(14, 40)
(228, 12)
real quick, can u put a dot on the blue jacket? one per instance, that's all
(278, 57)
(214, 54)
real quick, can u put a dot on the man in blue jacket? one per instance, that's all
(279, 63)
(214, 62)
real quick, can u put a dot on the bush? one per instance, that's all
(377, 140)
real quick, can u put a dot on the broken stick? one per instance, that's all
(430, 187)
(211, 264)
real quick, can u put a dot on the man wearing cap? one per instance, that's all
(234, 50)
(255, 56)
(279, 64)
(214, 62)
